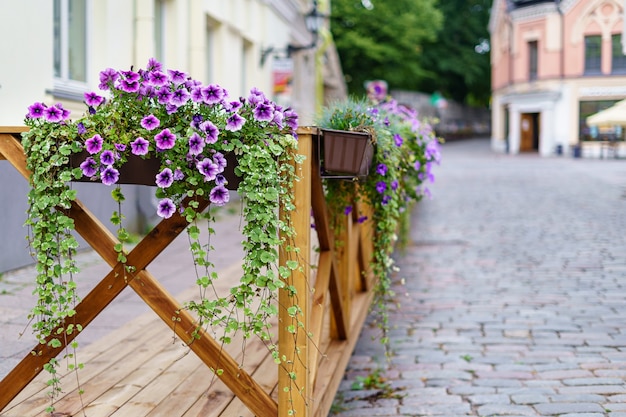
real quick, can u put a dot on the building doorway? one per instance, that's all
(529, 135)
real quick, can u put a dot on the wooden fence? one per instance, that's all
(337, 286)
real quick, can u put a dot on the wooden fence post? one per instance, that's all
(294, 390)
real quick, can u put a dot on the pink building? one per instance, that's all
(555, 62)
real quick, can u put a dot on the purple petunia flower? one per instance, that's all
(36, 110)
(221, 162)
(278, 118)
(362, 219)
(166, 208)
(386, 199)
(394, 185)
(291, 119)
(147, 91)
(165, 139)
(208, 168)
(164, 95)
(154, 65)
(263, 112)
(150, 122)
(347, 210)
(235, 122)
(178, 174)
(381, 186)
(53, 114)
(381, 169)
(109, 175)
(177, 77)
(165, 178)
(107, 77)
(196, 144)
(180, 97)
(196, 94)
(256, 96)
(131, 75)
(93, 99)
(129, 86)
(80, 128)
(93, 145)
(89, 167)
(107, 157)
(233, 106)
(213, 94)
(171, 108)
(220, 179)
(157, 78)
(398, 140)
(212, 132)
(139, 146)
(417, 165)
(120, 147)
(219, 195)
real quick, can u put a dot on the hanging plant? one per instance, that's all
(192, 131)
(406, 149)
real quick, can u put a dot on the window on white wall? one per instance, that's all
(70, 41)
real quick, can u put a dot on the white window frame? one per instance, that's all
(63, 85)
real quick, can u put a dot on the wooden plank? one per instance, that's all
(12, 151)
(265, 375)
(327, 243)
(318, 310)
(337, 356)
(294, 344)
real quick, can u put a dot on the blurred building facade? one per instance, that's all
(53, 51)
(554, 63)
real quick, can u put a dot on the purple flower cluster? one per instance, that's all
(168, 115)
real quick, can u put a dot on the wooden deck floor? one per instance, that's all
(142, 369)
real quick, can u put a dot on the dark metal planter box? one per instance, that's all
(345, 153)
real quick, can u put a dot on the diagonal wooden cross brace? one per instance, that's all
(145, 285)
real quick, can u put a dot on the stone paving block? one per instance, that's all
(436, 410)
(616, 406)
(573, 398)
(500, 410)
(529, 399)
(564, 374)
(366, 412)
(489, 399)
(431, 399)
(593, 381)
(594, 389)
(565, 408)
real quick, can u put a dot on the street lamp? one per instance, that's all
(313, 21)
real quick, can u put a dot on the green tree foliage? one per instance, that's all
(457, 62)
(382, 39)
(424, 45)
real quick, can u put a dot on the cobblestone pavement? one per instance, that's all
(514, 294)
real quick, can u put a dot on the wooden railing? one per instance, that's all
(334, 293)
